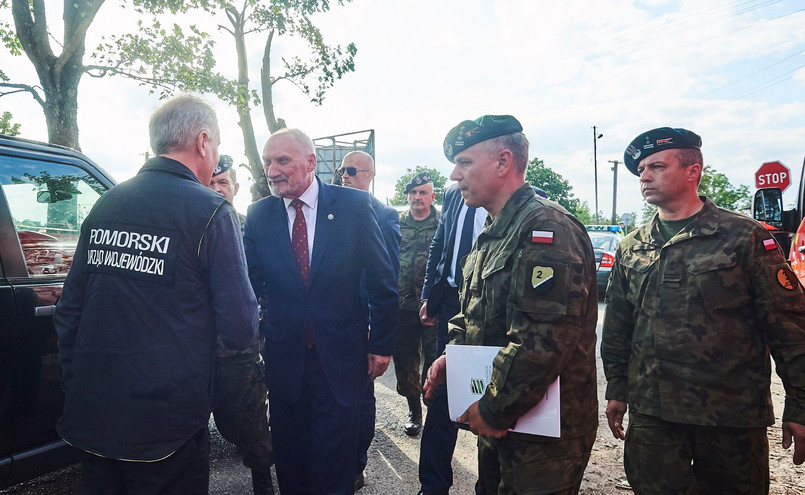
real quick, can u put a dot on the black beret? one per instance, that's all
(472, 132)
(224, 164)
(417, 180)
(656, 140)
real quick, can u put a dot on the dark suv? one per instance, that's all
(46, 192)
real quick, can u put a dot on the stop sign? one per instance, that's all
(773, 174)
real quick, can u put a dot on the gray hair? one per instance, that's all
(176, 124)
(516, 142)
(303, 142)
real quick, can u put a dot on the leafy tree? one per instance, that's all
(7, 127)
(436, 177)
(273, 19)
(584, 213)
(719, 189)
(59, 73)
(558, 189)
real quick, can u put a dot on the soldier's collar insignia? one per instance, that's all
(542, 279)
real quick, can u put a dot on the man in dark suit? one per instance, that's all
(357, 171)
(319, 355)
(439, 304)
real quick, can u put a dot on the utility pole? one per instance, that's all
(596, 137)
(614, 190)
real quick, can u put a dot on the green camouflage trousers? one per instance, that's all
(415, 346)
(667, 458)
(239, 407)
(514, 465)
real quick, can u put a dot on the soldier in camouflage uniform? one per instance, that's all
(415, 342)
(239, 390)
(697, 300)
(529, 287)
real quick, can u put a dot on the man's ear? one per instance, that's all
(694, 171)
(505, 161)
(202, 143)
(311, 162)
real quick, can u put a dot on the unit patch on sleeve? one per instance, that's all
(542, 279)
(786, 278)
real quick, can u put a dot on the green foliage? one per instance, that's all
(718, 188)
(9, 39)
(168, 59)
(438, 179)
(7, 127)
(558, 189)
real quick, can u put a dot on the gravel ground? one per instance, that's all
(393, 457)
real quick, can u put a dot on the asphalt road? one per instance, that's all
(392, 467)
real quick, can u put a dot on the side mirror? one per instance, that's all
(768, 207)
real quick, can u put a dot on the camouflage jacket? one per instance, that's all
(221, 349)
(689, 324)
(529, 286)
(414, 246)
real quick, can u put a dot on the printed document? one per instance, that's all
(469, 371)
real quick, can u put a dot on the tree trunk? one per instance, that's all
(61, 106)
(58, 75)
(266, 84)
(260, 187)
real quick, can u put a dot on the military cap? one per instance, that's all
(417, 180)
(656, 140)
(224, 164)
(472, 132)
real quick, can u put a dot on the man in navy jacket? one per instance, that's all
(318, 349)
(158, 273)
(357, 171)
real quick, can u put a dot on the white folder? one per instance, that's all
(469, 371)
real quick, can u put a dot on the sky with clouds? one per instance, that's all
(732, 71)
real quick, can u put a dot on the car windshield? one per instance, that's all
(606, 242)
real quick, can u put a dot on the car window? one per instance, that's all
(48, 203)
(606, 242)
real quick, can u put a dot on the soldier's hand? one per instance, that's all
(797, 431)
(377, 365)
(477, 424)
(426, 320)
(615, 412)
(436, 376)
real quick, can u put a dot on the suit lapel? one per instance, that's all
(325, 226)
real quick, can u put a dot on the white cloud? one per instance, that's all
(733, 76)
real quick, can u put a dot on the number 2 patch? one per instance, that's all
(542, 279)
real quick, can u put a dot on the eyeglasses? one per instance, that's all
(350, 171)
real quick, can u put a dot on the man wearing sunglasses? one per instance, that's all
(357, 171)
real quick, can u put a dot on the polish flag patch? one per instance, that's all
(769, 244)
(542, 236)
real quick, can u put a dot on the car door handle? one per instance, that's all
(44, 310)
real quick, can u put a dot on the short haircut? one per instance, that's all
(233, 176)
(303, 141)
(176, 124)
(516, 142)
(689, 156)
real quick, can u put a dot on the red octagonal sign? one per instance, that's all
(773, 174)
